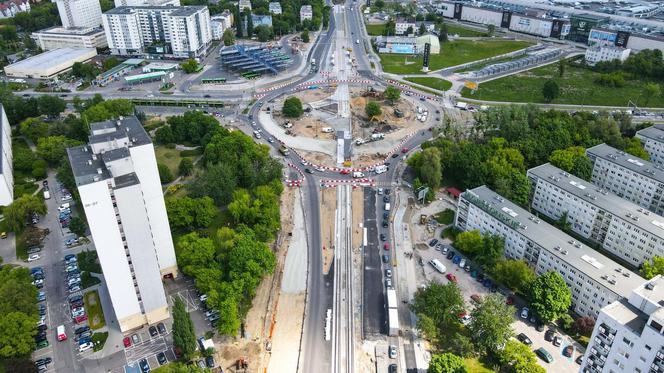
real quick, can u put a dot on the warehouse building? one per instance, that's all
(627, 176)
(652, 139)
(484, 16)
(407, 45)
(594, 280)
(49, 64)
(60, 37)
(621, 227)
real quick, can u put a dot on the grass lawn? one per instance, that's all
(170, 157)
(21, 246)
(87, 261)
(88, 280)
(93, 308)
(375, 29)
(435, 83)
(476, 366)
(99, 340)
(454, 29)
(452, 54)
(577, 86)
(445, 217)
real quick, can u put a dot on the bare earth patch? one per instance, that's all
(328, 200)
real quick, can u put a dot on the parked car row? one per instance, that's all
(38, 278)
(64, 214)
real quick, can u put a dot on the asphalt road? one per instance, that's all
(374, 319)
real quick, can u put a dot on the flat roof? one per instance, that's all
(54, 57)
(586, 260)
(626, 314)
(81, 31)
(628, 161)
(150, 75)
(176, 10)
(653, 290)
(604, 200)
(655, 132)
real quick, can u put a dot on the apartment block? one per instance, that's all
(274, 7)
(306, 12)
(594, 280)
(6, 161)
(605, 53)
(221, 23)
(118, 181)
(79, 13)
(627, 176)
(146, 3)
(621, 227)
(158, 31)
(629, 334)
(652, 139)
(244, 4)
(402, 25)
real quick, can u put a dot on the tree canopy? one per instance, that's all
(490, 326)
(184, 334)
(392, 94)
(446, 363)
(437, 307)
(292, 107)
(653, 267)
(18, 312)
(372, 109)
(515, 274)
(18, 212)
(550, 296)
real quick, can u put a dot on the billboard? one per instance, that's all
(622, 38)
(457, 11)
(507, 18)
(403, 48)
(427, 52)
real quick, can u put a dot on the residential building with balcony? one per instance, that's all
(652, 139)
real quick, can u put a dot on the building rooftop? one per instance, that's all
(604, 200)
(655, 132)
(626, 314)
(123, 125)
(177, 10)
(628, 161)
(586, 260)
(52, 58)
(59, 30)
(126, 180)
(86, 166)
(652, 290)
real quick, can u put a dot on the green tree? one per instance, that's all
(188, 213)
(469, 242)
(77, 226)
(54, 148)
(491, 30)
(51, 105)
(372, 109)
(17, 337)
(250, 22)
(437, 307)
(186, 167)
(515, 274)
(392, 94)
(39, 167)
(653, 267)
(422, 30)
(190, 66)
(292, 108)
(164, 135)
(431, 170)
(165, 174)
(34, 129)
(264, 33)
(550, 90)
(305, 36)
(550, 296)
(442, 36)
(518, 358)
(110, 63)
(228, 37)
(184, 335)
(446, 363)
(379, 4)
(490, 326)
(18, 212)
(634, 147)
(651, 90)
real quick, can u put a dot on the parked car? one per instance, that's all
(383, 237)
(475, 297)
(81, 329)
(201, 363)
(386, 246)
(548, 336)
(450, 255)
(388, 273)
(557, 341)
(126, 341)
(451, 277)
(456, 259)
(392, 368)
(162, 328)
(544, 355)
(80, 319)
(392, 352)
(153, 331)
(385, 224)
(161, 358)
(43, 361)
(462, 263)
(143, 364)
(85, 346)
(134, 338)
(524, 313)
(433, 242)
(524, 339)
(386, 258)
(568, 351)
(33, 257)
(209, 361)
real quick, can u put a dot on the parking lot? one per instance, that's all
(469, 286)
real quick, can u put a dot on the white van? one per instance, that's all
(47, 194)
(387, 207)
(438, 266)
(63, 207)
(381, 169)
(358, 174)
(327, 130)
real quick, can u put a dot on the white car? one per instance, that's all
(85, 347)
(77, 313)
(462, 263)
(524, 313)
(33, 257)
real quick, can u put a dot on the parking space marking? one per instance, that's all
(190, 301)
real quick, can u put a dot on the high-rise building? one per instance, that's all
(593, 279)
(621, 227)
(629, 334)
(146, 2)
(169, 31)
(652, 139)
(79, 13)
(6, 165)
(628, 176)
(306, 13)
(118, 181)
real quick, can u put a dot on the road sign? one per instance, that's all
(422, 194)
(471, 85)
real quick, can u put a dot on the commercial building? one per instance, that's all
(630, 177)
(117, 179)
(6, 165)
(582, 24)
(221, 23)
(531, 25)
(60, 37)
(306, 13)
(113, 74)
(407, 45)
(652, 139)
(10, 8)
(79, 13)
(158, 31)
(634, 41)
(640, 11)
(244, 4)
(50, 63)
(621, 227)
(402, 25)
(119, 3)
(483, 16)
(629, 334)
(605, 53)
(594, 280)
(274, 7)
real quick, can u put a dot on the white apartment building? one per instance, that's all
(652, 139)
(594, 280)
(10, 8)
(79, 13)
(117, 178)
(604, 53)
(6, 163)
(274, 7)
(119, 3)
(627, 176)
(178, 32)
(629, 334)
(60, 37)
(621, 227)
(244, 4)
(402, 25)
(221, 23)
(306, 12)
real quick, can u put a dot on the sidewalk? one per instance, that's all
(301, 143)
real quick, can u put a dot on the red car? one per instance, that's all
(404, 150)
(80, 319)
(386, 246)
(510, 300)
(451, 277)
(344, 172)
(126, 341)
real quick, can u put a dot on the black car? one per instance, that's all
(161, 328)
(433, 242)
(76, 298)
(386, 258)
(145, 367)
(43, 361)
(386, 199)
(539, 326)
(209, 361)
(524, 339)
(161, 358)
(385, 224)
(387, 191)
(450, 254)
(77, 304)
(41, 328)
(392, 368)
(386, 214)
(82, 329)
(383, 237)
(480, 277)
(548, 336)
(395, 155)
(307, 170)
(153, 331)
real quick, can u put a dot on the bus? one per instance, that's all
(213, 80)
(61, 333)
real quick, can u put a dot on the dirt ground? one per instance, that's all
(391, 124)
(288, 328)
(357, 207)
(258, 320)
(310, 127)
(327, 221)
